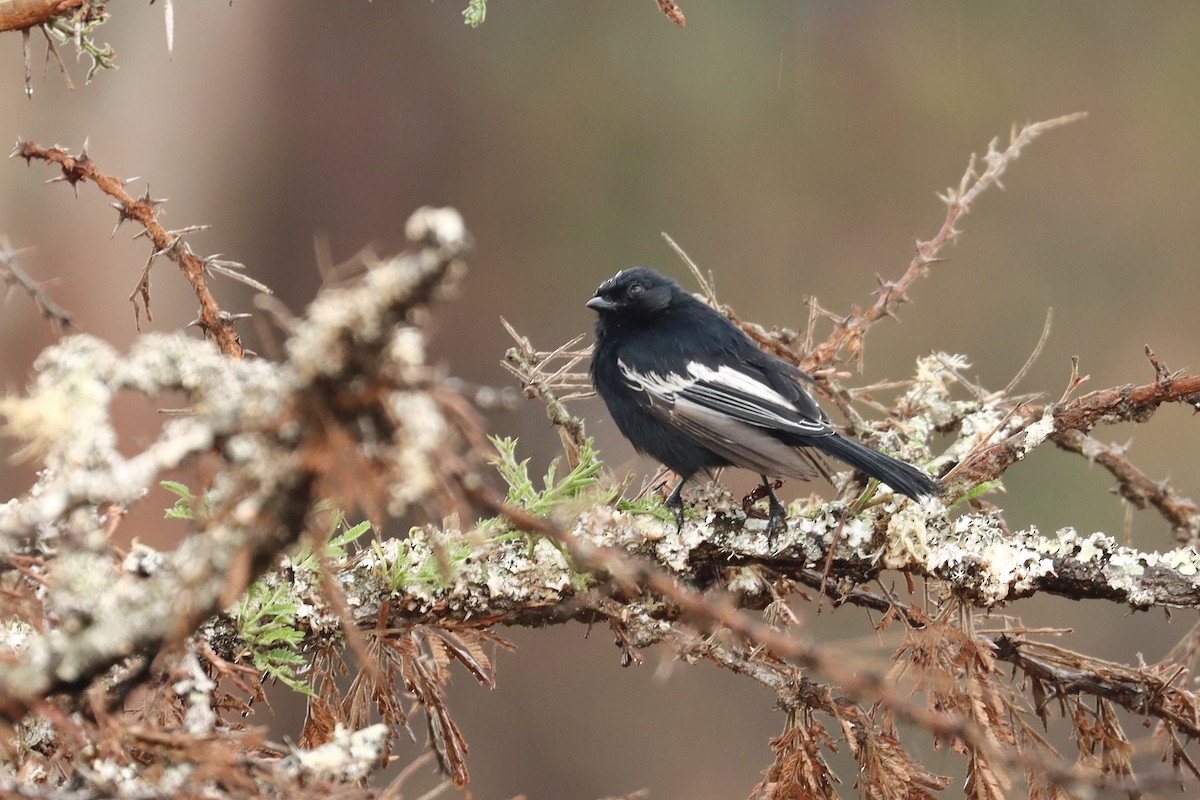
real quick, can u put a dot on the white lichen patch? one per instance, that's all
(908, 540)
(444, 226)
(674, 548)
(745, 580)
(196, 691)
(15, 635)
(1036, 433)
(1123, 570)
(857, 532)
(1068, 543)
(930, 392)
(421, 429)
(143, 560)
(973, 552)
(406, 352)
(1183, 560)
(348, 756)
(622, 529)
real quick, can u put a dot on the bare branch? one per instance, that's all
(11, 274)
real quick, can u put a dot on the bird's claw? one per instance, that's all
(678, 518)
(776, 522)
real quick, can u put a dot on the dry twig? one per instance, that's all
(11, 274)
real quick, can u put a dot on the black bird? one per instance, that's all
(687, 387)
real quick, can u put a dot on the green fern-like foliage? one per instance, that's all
(475, 12)
(555, 491)
(265, 619)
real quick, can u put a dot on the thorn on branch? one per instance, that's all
(1162, 375)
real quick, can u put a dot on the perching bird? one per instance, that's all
(688, 388)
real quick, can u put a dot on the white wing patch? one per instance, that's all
(739, 381)
(664, 386)
(727, 391)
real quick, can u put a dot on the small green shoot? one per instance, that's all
(555, 491)
(336, 544)
(475, 12)
(651, 505)
(188, 506)
(977, 491)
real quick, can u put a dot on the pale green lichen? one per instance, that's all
(1184, 560)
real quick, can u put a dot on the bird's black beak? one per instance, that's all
(599, 303)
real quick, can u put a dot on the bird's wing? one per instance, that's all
(736, 415)
(736, 394)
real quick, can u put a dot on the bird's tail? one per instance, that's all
(902, 477)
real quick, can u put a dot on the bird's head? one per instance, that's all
(634, 293)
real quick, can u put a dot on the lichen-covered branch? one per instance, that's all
(278, 433)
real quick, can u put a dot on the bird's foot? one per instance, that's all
(777, 520)
(678, 511)
(777, 515)
(675, 502)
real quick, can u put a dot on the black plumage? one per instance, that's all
(688, 388)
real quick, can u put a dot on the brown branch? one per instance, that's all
(1143, 691)
(18, 15)
(1062, 422)
(212, 320)
(1137, 487)
(11, 274)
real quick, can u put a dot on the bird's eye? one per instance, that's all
(637, 288)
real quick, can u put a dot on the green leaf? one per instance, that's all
(188, 506)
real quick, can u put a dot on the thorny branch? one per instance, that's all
(848, 332)
(80, 168)
(1068, 424)
(1137, 487)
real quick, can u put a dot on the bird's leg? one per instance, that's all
(777, 518)
(674, 502)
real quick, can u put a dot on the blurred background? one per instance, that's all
(791, 148)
